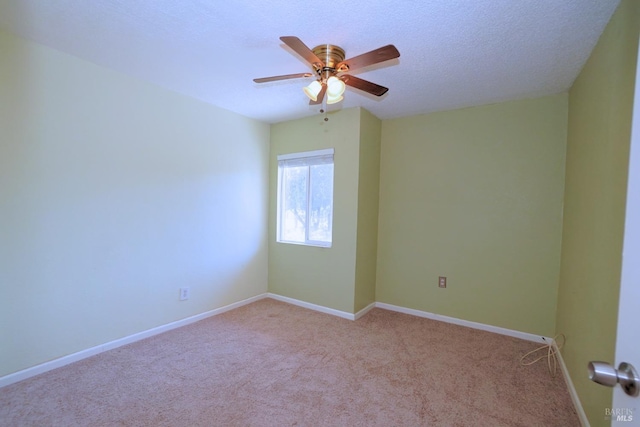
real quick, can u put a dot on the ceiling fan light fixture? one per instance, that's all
(327, 61)
(334, 99)
(335, 87)
(313, 90)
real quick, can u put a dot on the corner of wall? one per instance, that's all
(598, 141)
(368, 208)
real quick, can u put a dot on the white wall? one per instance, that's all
(114, 193)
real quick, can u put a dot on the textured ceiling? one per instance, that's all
(454, 53)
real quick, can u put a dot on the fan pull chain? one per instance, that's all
(324, 109)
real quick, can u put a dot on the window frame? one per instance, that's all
(303, 156)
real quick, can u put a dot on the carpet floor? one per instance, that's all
(273, 364)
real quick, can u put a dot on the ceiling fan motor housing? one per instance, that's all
(331, 55)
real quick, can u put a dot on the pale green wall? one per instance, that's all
(599, 134)
(323, 276)
(368, 191)
(475, 195)
(114, 193)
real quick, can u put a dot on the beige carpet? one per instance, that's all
(274, 364)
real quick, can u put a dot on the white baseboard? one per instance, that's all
(315, 307)
(467, 323)
(321, 308)
(584, 421)
(364, 311)
(83, 354)
(419, 313)
(47, 366)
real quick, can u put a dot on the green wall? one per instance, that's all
(475, 195)
(368, 190)
(343, 276)
(322, 276)
(114, 193)
(599, 134)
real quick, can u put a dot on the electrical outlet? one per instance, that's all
(184, 294)
(442, 282)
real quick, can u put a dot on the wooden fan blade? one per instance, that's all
(364, 85)
(381, 54)
(283, 77)
(302, 50)
(320, 95)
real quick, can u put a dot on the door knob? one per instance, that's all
(605, 374)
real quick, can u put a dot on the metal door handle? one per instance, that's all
(605, 374)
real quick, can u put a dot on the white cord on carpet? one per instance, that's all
(552, 359)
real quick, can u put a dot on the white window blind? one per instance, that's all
(308, 158)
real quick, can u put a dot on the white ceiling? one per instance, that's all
(454, 53)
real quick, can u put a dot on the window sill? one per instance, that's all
(312, 244)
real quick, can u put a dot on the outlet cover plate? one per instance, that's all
(442, 282)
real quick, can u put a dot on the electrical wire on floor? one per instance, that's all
(551, 354)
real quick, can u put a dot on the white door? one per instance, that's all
(626, 409)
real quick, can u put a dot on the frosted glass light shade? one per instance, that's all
(313, 90)
(334, 99)
(335, 87)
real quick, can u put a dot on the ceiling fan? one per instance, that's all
(330, 68)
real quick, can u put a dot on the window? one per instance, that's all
(305, 198)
